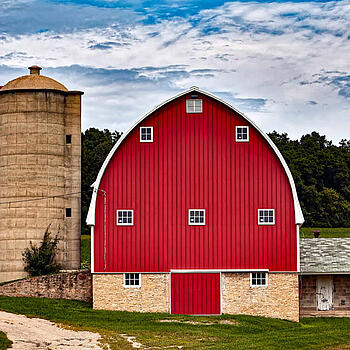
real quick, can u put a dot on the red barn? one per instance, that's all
(195, 211)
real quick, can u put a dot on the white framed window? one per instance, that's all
(125, 217)
(132, 280)
(196, 216)
(266, 216)
(242, 133)
(194, 106)
(258, 279)
(146, 134)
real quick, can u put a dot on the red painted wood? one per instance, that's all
(194, 162)
(195, 293)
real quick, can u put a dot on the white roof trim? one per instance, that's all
(90, 220)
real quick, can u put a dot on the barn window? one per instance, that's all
(132, 280)
(266, 216)
(68, 212)
(196, 216)
(68, 139)
(125, 217)
(146, 134)
(242, 133)
(194, 106)
(258, 279)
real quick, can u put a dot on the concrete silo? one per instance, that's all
(40, 147)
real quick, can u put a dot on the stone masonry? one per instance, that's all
(68, 285)
(36, 162)
(280, 299)
(110, 294)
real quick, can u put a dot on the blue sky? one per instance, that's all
(285, 64)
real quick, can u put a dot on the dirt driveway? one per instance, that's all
(35, 333)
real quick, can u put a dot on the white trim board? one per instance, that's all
(218, 270)
(90, 220)
(92, 249)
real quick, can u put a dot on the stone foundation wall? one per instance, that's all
(280, 299)
(308, 298)
(68, 285)
(110, 294)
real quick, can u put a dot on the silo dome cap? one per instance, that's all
(34, 81)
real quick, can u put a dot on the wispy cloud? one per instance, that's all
(340, 81)
(284, 63)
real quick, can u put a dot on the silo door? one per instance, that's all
(324, 293)
(195, 293)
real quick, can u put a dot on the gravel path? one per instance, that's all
(35, 333)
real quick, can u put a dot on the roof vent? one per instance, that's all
(316, 233)
(35, 70)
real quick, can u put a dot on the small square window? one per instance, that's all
(196, 216)
(258, 279)
(194, 106)
(68, 212)
(132, 280)
(266, 216)
(68, 139)
(125, 217)
(146, 134)
(242, 133)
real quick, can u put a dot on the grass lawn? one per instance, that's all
(243, 332)
(340, 232)
(85, 251)
(4, 342)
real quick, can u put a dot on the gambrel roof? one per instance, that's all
(299, 218)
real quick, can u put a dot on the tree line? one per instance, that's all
(321, 172)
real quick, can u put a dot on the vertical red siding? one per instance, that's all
(195, 293)
(194, 162)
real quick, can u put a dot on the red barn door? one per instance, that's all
(195, 293)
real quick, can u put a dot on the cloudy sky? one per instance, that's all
(285, 64)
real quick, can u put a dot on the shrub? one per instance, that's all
(41, 260)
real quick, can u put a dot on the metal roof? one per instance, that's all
(325, 255)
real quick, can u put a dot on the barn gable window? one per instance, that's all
(258, 279)
(132, 280)
(266, 216)
(194, 106)
(196, 216)
(125, 217)
(242, 133)
(146, 134)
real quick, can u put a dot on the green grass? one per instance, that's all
(249, 332)
(338, 232)
(85, 250)
(4, 342)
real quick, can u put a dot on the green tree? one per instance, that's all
(321, 171)
(40, 260)
(96, 144)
